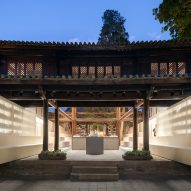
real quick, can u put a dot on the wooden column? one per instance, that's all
(56, 120)
(146, 125)
(135, 134)
(74, 124)
(118, 115)
(45, 124)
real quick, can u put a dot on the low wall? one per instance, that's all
(14, 147)
(179, 154)
(17, 152)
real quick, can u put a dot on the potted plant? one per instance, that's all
(137, 155)
(52, 155)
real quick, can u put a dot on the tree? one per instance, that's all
(113, 30)
(176, 17)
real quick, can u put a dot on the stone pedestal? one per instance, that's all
(94, 145)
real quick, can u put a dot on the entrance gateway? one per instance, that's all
(138, 75)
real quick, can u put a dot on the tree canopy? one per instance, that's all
(113, 31)
(176, 17)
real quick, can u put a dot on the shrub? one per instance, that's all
(137, 155)
(52, 155)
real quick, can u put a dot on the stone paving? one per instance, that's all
(136, 184)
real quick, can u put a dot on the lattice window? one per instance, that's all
(92, 70)
(38, 69)
(29, 69)
(163, 68)
(20, 69)
(181, 68)
(117, 70)
(108, 70)
(154, 69)
(11, 69)
(100, 71)
(75, 70)
(172, 68)
(83, 71)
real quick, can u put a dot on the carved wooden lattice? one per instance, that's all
(29, 69)
(20, 69)
(100, 71)
(38, 69)
(172, 68)
(163, 68)
(83, 71)
(154, 69)
(117, 70)
(108, 70)
(75, 71)
(181, 68)
(92, 70)
(11, 69)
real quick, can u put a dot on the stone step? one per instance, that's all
(95, 169)
(94, 177)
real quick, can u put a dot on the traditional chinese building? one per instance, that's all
(137, 75)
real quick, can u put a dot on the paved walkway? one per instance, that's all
(179, 184)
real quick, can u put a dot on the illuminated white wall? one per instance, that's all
(20, 132)
(173, 132)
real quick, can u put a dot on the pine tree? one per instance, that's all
(113, 31)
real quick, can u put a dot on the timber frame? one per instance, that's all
(155, 73)
(135, 80)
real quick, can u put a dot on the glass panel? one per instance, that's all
(117, 70)
(38, 69)
(92, 70)
(108, 70)
(154, 69)
(163, 68)
(74, 71)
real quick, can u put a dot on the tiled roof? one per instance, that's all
(131, 45)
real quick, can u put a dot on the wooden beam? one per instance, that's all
(60, 111)
(130, 112)
(98, 120)
(101, 113)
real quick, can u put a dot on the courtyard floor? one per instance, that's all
(145, 184)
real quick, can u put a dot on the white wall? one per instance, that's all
(173, 132)
(20, 132)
